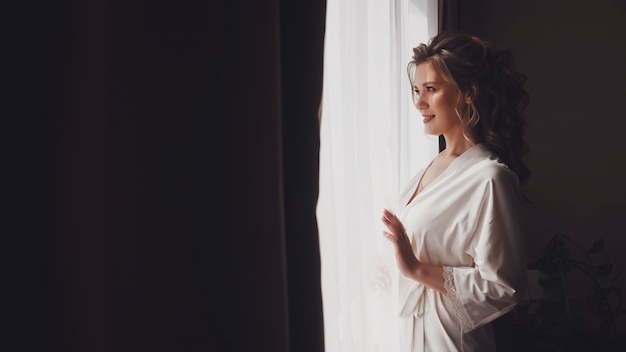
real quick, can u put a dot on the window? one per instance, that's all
(372, 143)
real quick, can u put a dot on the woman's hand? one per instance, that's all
(405, 258)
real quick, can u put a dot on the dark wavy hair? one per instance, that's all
(476, 67)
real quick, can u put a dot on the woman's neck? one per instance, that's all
(457, 146)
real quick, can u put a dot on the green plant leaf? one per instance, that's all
(549, 281)
(539, 263)
(597, 246)
(604, 282)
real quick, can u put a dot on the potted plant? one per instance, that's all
(559, 318)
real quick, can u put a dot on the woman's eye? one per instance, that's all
(416, 92)
(431, 89)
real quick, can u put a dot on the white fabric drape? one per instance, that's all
(372, 143)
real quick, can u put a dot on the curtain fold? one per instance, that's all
(372, 143)
(174, 152)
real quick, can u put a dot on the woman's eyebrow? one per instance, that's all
(427, 83)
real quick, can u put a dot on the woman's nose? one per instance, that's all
(420, 103)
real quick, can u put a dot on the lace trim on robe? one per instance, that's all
(467, 324)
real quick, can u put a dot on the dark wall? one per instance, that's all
(574, 55)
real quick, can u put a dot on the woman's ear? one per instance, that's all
(471, 94)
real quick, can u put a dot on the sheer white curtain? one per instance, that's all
(372, 143)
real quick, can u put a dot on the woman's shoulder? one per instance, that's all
(489, 168)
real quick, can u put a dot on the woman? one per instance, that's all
(458, 239)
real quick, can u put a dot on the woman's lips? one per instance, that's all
(427, 118)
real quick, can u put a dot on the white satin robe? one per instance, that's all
(468, 220)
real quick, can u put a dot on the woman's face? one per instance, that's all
(436, 100)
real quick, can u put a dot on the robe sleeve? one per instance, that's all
(491, 287)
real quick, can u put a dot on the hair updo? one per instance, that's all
(486, 73)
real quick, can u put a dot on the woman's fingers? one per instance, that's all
(389, 216)
(405, 256)
(393, 224)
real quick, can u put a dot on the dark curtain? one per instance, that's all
(165, 183)
(449, 12)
